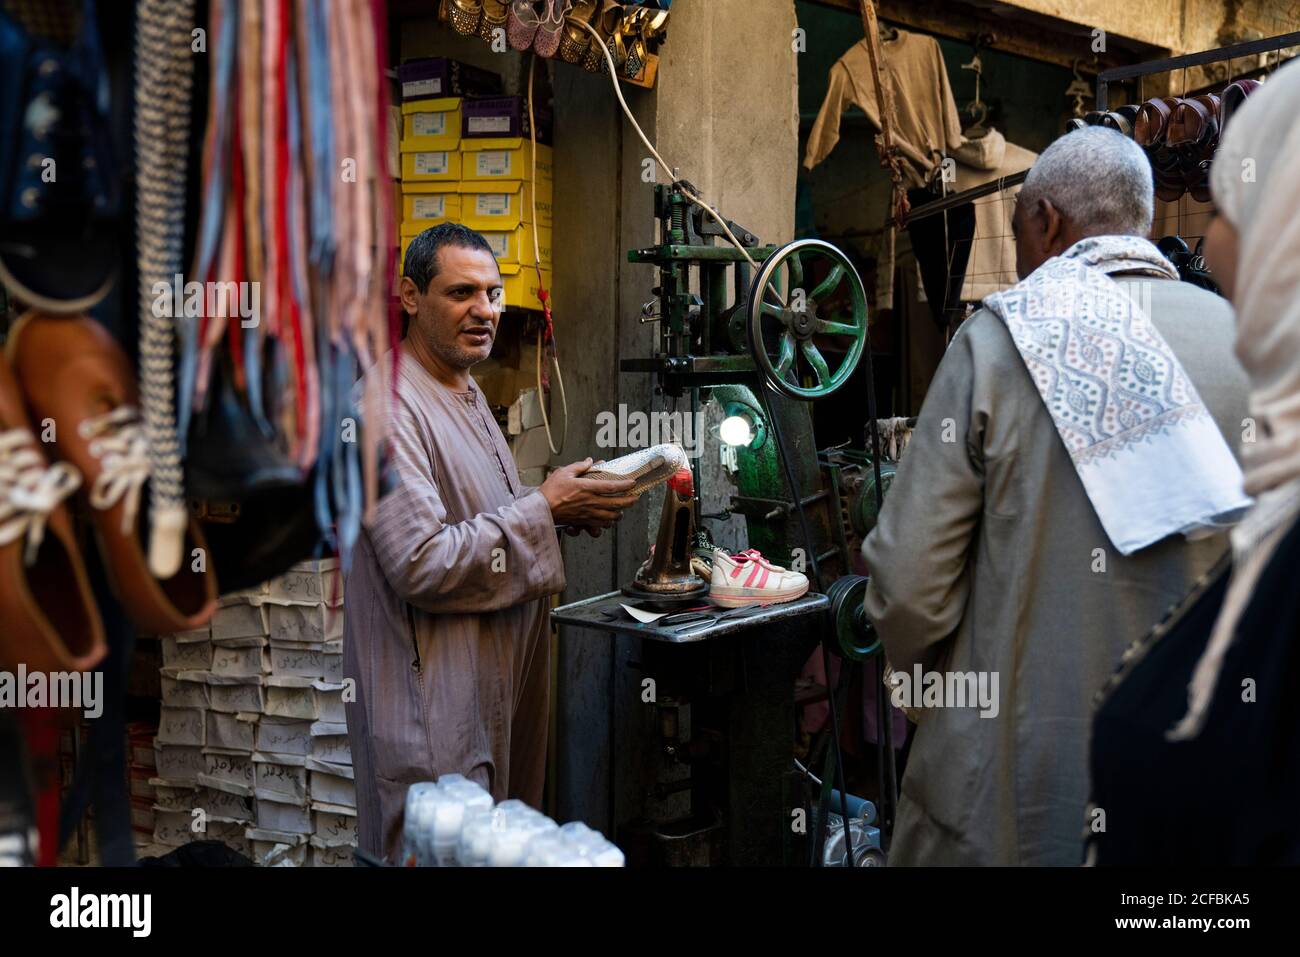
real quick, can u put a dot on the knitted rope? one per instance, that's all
(163, 79)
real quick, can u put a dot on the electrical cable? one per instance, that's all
(547, 332)
(613, 78)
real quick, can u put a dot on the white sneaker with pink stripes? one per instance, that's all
(750, 579)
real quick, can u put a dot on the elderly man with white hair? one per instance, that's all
(1067, 482)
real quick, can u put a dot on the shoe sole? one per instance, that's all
(755, 597)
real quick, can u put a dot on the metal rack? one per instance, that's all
(1249, 48)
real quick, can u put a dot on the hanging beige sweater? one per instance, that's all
(928, 129)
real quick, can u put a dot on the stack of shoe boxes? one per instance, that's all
(468, 158)
(432, 91)
(140, 774)
(499, 192)
(178, 747)
(431, 164)
(252, 709)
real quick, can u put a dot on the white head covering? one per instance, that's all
(1256, 186)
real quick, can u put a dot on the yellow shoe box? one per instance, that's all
(505, 158)
(429, 166)
(429, 208)
(431, 125)
(516, 245)
(520, 284)
(505, 205)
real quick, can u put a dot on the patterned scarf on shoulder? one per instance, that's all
(1149, 455)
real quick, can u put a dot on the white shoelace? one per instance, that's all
(30, 489)
(119, 442)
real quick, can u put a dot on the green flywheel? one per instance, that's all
(806, 298)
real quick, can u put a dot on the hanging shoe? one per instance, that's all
(496, 14)
(1234, 94)
(1151, 120)
(576, 41)
(522, 24)
(608, 24)
(547, 42)
(73, 372)
(750, 579)
(50, 621)
(643, 30)
(465, 16)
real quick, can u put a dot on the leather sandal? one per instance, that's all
(1193, 132)
(1194, 123)
(1233, 96)
(576, 41)
(637, 49)
(73, 372)
(465, 16)
(608, 24)
(522, 24)
(1152, 118)
(1120, 119)
(1198, 181)
(50, 620)
(496, 16)
(1167, 171)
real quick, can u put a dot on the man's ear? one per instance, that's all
(407, 293)
(1053, 226)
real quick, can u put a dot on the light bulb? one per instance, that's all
(736, 430)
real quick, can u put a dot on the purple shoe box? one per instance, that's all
(502, 117)
(438, 77)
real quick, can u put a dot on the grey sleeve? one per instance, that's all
(917, 555)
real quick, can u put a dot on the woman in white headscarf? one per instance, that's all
(1196, 741)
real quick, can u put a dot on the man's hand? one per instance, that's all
(591, 503)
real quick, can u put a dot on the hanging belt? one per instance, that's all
(300, 302)
(223, 21)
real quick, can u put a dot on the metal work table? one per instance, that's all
(725, 712)
(604, 613)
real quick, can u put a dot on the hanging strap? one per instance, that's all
(890, 158)
(163, 81)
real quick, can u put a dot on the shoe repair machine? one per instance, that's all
(765, 331)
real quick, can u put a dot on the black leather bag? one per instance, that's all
(260, 516)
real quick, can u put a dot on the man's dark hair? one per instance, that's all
(421, 262)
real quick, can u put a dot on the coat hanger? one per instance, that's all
(885, 33)
(976, 107)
